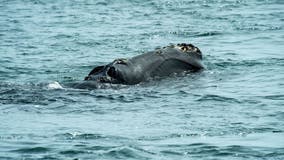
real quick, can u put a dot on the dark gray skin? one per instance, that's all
(159, 63)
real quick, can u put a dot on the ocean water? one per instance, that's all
(234, 109)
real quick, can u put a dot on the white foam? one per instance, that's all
(54, 85)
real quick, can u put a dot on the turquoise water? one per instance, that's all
(231, 110)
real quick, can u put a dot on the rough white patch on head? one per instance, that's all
(178, 47)
(54, 85)
(183, 48)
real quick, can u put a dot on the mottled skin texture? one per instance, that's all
(158, 63)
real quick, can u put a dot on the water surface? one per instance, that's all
(231, 110)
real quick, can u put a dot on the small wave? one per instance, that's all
(76, 135)
(87, 136)
(33, 150)
(100, 148)
(274, 97)
(196, 34)
(89, 43)
(256, 27)
(112, 152)
(59, 36)
(102, 3)
(72, 152)
(266, 129)
(175, 135)
(250, 63)
(115, 150)
(237, 151)
(126, 152)
(211, 97)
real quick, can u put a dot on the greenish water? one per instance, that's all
(231, 110)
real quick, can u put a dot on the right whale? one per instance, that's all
(158, 63)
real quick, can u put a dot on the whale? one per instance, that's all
(161, 62)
